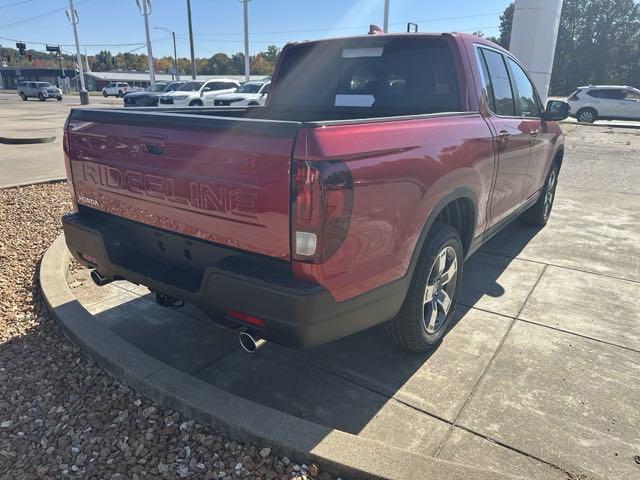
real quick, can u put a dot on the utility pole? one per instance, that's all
(61, 61)
(175, 54)
(72, 15)
(245, 7)
(146, 11)
(385, 25)
(193, 58)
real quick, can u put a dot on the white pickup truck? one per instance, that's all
(119, 89)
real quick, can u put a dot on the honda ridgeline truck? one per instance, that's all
(378, 164)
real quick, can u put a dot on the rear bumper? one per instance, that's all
(218, 279)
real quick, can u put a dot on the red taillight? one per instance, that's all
(321, 211)
(246, 318)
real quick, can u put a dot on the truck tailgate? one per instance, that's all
(225, 180)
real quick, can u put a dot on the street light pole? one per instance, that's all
(245, 7)
(72, 15)
(146, 11)
(193, 58)
(385, 26)
(175, 54)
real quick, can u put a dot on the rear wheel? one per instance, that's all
(428, 307)
(41, 97)
(23, 96)
(539, 213)
(587, 115)
(59, 98)
(105, 94)
(120, 94)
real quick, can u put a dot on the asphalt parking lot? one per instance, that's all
(539, 377)
(20, 164)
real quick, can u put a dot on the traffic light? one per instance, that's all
(22, 48)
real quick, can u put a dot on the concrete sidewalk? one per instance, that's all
(539, 377)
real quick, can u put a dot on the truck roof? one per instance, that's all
(465, 37)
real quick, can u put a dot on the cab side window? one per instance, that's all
(527, 98)
(499, 86)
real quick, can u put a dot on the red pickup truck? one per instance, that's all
(378, 164)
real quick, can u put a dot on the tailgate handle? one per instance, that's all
(153, 144)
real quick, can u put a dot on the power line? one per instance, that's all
(16, 3)
(84, 44)
(41, 15)
(355, 27)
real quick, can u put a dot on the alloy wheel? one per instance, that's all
(441, 284)
(550, 192)
(586, 117)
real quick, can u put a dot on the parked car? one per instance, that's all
(118, 89)
(39, 90)
(604, 102)
(249, 93)
(198, 93)
(150, 96)
(378, 164)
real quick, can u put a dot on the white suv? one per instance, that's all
(198, 93)
(250, 93)
(605, 102)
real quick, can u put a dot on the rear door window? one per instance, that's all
(403, 76)
(527, 97)
(501, 89)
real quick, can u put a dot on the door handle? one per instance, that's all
(534, 132)
(504, 136)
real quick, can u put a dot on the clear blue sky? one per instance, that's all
(217, 24)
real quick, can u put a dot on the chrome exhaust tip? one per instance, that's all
(99, 279)
(248, 342)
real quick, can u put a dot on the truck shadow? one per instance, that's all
(360, 384)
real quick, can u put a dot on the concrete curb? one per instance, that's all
(27, 140)
(600, 125)
(339, 452)
(37, 182)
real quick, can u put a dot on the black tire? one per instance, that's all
(538, 214)
(105, 94)
(59, 98)
(195, 103)
(253, 104)
(410, 329)
(41, 97)
(23, 97)
(120, 94)
(587, 115)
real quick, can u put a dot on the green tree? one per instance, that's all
(598, 42)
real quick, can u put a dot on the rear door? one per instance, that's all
(541, 140)
(632, 104)
(220, 179)
(512, 136)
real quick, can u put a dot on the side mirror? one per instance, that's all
(556, 110)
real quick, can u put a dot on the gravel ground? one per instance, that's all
(60, 414)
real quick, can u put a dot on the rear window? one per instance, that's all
(608, 93)
(403, 75)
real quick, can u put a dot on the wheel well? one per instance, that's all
(460, 214)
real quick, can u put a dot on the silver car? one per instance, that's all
(40, 90)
